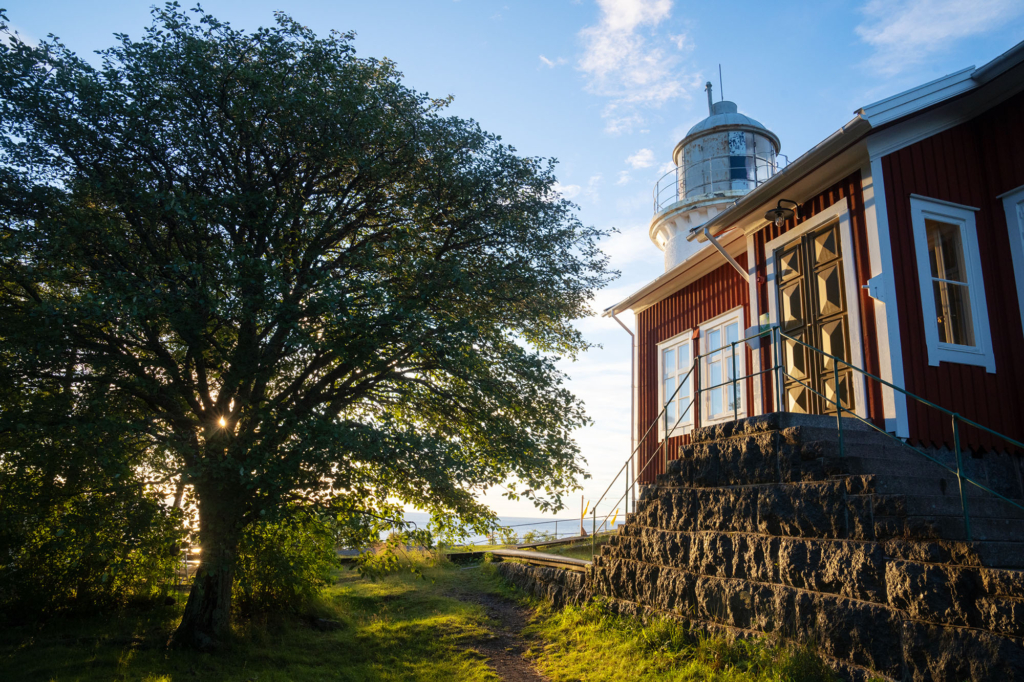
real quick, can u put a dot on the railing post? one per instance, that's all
(839, 405)
(696, 394)
(632, 469)
(593, 536)
(735, 397)
(960, 474)
(556, 529)
(664, 446)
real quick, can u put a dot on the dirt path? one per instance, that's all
(505, 649)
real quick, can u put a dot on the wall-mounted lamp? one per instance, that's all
(779, 215)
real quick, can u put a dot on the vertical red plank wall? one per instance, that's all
(970, 164)
(712, 295)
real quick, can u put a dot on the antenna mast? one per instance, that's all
(721, 88)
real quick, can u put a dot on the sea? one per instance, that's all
(553, 527)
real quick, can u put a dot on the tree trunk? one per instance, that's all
(207, 617)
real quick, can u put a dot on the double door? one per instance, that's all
(813, 309)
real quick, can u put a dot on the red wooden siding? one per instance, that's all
(849, 188)
(970, 164)
(716, 293)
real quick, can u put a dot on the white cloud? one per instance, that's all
(667, 167)
(630, 245)
(567, 191)
(552, 63)
(627, 59)
(642, 159)
(593, 185)
(623, 178)
(905, 33)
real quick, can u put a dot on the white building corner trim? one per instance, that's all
(1013, 205)
(887, 320)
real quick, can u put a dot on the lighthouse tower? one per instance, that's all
(721, 158)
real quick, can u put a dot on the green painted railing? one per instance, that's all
(957, 419)
(775, 335)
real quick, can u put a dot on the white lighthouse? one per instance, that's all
(721, 158)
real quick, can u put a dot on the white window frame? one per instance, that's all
(734, 315)
(980, 354)
(1013, 206)
(683, 427)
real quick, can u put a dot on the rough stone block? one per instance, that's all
(934, 592)
(937, 653)
(809, 510)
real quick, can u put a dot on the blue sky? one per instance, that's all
(608, 88)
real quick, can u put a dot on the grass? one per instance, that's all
(402, 627)
(588, 643)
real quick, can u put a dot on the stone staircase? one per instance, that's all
(761, 526)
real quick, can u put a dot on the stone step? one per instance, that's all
(776, 421)
(881, 463)
(944, 505)
(949, 528)
(942, 485)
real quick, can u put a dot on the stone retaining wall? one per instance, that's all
(557, 585)
(760, 528)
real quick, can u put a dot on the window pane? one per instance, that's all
(669, 362)
(684, 392)
(670, 387)
(716, 402)
(715, 373)
(684, 356)
(686, 414)
(732, 332)
(714, 339)
(953, 308)
(670, 412)
(945, 251)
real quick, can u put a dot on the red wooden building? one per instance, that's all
(895, 245)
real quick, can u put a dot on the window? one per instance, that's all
(952, 290)
(949, 283)
(675, 361)
(721, 399)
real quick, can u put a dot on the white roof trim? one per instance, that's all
(921, 97)
(866, 121)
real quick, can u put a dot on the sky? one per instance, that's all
(608, 87)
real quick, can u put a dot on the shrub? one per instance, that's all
(284, 564)
(88, 551)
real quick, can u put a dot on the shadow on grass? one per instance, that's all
(398, 628)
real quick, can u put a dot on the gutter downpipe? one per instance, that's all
(632, 382)
(721, 250)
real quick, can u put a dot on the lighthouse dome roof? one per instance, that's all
(726, 114)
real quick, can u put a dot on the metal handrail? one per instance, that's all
(956, 417)
(778, 366)
(675, 188)
(662, 447)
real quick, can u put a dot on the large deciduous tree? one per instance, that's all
(307, 283)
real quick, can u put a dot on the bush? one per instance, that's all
(86, 552)
(284, 564)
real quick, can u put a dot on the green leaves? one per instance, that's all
(266, 229)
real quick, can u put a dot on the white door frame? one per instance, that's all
(837, 211)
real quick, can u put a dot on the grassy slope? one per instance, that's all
(399, 628)
(591, 644)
